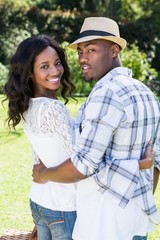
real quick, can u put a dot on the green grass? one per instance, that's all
(15, 178)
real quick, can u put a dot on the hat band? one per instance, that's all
(94, 32)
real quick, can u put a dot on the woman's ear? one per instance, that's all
(115, 50)
(31, 77)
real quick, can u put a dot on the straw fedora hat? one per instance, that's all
(99, 28)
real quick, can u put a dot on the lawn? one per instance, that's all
(15, 178)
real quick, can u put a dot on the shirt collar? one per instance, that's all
(114, 72)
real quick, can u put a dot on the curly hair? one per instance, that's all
(19, 87)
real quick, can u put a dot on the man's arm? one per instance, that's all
(67, 173)
(63, 173)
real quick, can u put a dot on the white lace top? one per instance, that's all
(49, 129)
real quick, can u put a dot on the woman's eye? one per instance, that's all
(91, 50)
(58, 63)
(44, 66)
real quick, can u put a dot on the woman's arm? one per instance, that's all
(67, 173)
(148, 160)
(155, 179)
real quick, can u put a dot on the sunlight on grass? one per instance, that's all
(15, 178)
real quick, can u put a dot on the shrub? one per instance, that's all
(141, 68)
(3, 76)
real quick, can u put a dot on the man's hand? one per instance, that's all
(148, 160)
(38, 171)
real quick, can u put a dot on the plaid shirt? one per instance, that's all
(119, 118)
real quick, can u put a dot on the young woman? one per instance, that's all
(37, 70)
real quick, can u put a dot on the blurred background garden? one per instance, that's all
(139, 23)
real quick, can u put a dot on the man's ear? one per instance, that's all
(115, 50)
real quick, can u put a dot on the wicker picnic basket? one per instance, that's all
(14, 234)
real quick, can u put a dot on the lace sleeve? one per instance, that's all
(55, 118)
(35, 157)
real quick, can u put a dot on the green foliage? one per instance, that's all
(145, 30)
(139, 22)
(3, 76)
(141, 68)
(13, 25)
(137, 61)
(131, 10)
(38, 20)
(59, 4)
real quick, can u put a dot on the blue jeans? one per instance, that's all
(52, 225)
(139, 238)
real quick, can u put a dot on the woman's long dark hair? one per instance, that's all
(19, 87)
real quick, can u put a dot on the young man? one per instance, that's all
(119, 118)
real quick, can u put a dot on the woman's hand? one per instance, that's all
(148, 160)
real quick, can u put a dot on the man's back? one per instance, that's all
(119, 118)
